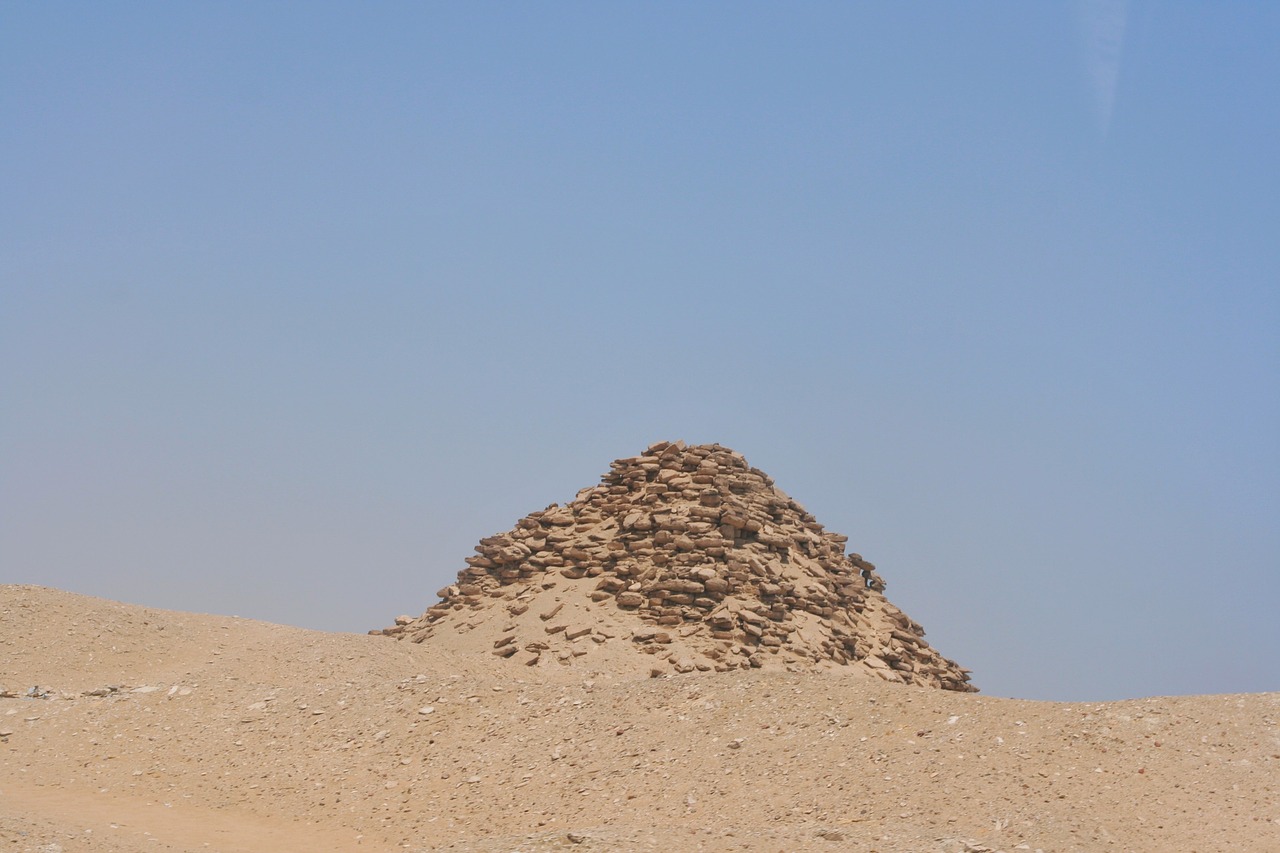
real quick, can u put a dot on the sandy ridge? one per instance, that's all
(379, 745)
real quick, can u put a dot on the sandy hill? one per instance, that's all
(682, 559)
(161, 731)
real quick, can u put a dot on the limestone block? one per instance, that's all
(694, 538)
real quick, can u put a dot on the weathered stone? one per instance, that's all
(697, 540)
(680, 585)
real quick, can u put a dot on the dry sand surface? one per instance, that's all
(165, 731)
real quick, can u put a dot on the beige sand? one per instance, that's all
(233, 735)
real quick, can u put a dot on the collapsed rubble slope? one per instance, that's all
(683, 559)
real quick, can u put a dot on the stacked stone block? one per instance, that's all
(693, 536)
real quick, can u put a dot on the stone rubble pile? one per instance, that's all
(693, 541)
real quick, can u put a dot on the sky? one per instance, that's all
(298, 301)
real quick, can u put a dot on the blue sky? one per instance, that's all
(300, 300)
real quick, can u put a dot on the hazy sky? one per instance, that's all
(300, 300)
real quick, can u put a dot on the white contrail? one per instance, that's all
(1104, 26)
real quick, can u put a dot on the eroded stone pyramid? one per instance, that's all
(683, 559)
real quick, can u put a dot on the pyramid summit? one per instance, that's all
(683, 559)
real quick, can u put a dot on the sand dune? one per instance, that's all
(216, 733)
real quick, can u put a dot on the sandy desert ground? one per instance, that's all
(153, 730)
